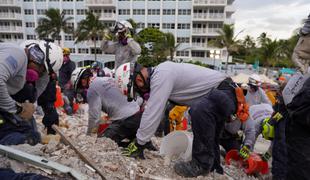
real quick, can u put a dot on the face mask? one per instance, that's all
(32, 75)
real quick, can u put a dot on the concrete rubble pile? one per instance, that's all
(106, 155)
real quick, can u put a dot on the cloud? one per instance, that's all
(279, 18)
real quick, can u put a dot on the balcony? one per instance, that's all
(210, 3)
(230, 8)
(107, 16)
(199, 44)
(205, 31)
(209, 16)
(98, 3)
(11, 29)
(13, 16)
(9, 3)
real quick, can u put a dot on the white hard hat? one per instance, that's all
(122, 26)
(38, 50)
(255, 80)
(76, 76)
(122, 77)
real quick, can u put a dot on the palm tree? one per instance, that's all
(170, 44)
(270, 52)
(226, 39)
(90, 28)
(53, 24)
(248, 42)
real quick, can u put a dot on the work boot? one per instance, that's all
(190, 169)
(149, 145)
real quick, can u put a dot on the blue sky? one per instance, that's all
(279, 18)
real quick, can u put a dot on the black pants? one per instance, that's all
(279, 151)
(230, 141)
(122, 129)
(208, 117)
(50, 117)
(9, 174)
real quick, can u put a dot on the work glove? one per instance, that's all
(25, 110)
(266, 156)
(244, 152)
(134, 150)
(267, 129)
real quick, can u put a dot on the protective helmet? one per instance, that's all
(122, 77)
(244, 86)
(66, 51)
(122, 26)
(254, 80)
(37, 49)
(96, 64)
(77, 74)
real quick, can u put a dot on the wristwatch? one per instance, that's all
(19, 108)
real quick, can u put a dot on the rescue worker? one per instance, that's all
(259, 115)
(211, 96)
(296, 97)
(126, 49)
(35, 60)
(255, 94)
(104, 95)
(97, 69)
(64, 82)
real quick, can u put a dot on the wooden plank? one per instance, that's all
(84, 158)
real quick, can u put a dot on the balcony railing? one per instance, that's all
(99, 2)
(209, 16)
(10, 16)
(205, 31)
(210, 2)
(199, 44)
(8, 2)
(11, 29)
(107, 15)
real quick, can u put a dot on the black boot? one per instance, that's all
(149, 145)
(190, 169)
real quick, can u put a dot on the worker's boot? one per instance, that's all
(190, 169)
(149, 145)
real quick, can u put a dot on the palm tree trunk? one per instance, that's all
(226, 65)
(95, 50)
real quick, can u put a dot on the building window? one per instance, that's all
(124, 11)
(83, 51)
(41, 11)
(98, 51)
(72, 50)
(28, 0)
(70, 25)
(28, 11)
(80, 0)
(184, 11)
(153, 25)
(31, 37)
(123, 0)
(168, 11)
(154, 0)
(140, 25)
(109, 24)
(139, 12)
(183, 26)
(30, 24)
(41, 0)
(54, 0)
(168, 26)
(68, 11)
(81, 11)
(68, 0)
(69, 38)
(183, 53)
(198, 54)
(182, 39)
(153, 11)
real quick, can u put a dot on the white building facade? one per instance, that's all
(193, 22)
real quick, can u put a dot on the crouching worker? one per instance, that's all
(103, 95)
(211, 97)
(24, 75)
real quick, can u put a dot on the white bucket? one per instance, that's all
(177, 145)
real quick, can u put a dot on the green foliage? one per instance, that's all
(53, 24)
(158, 52)
(90, 28)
